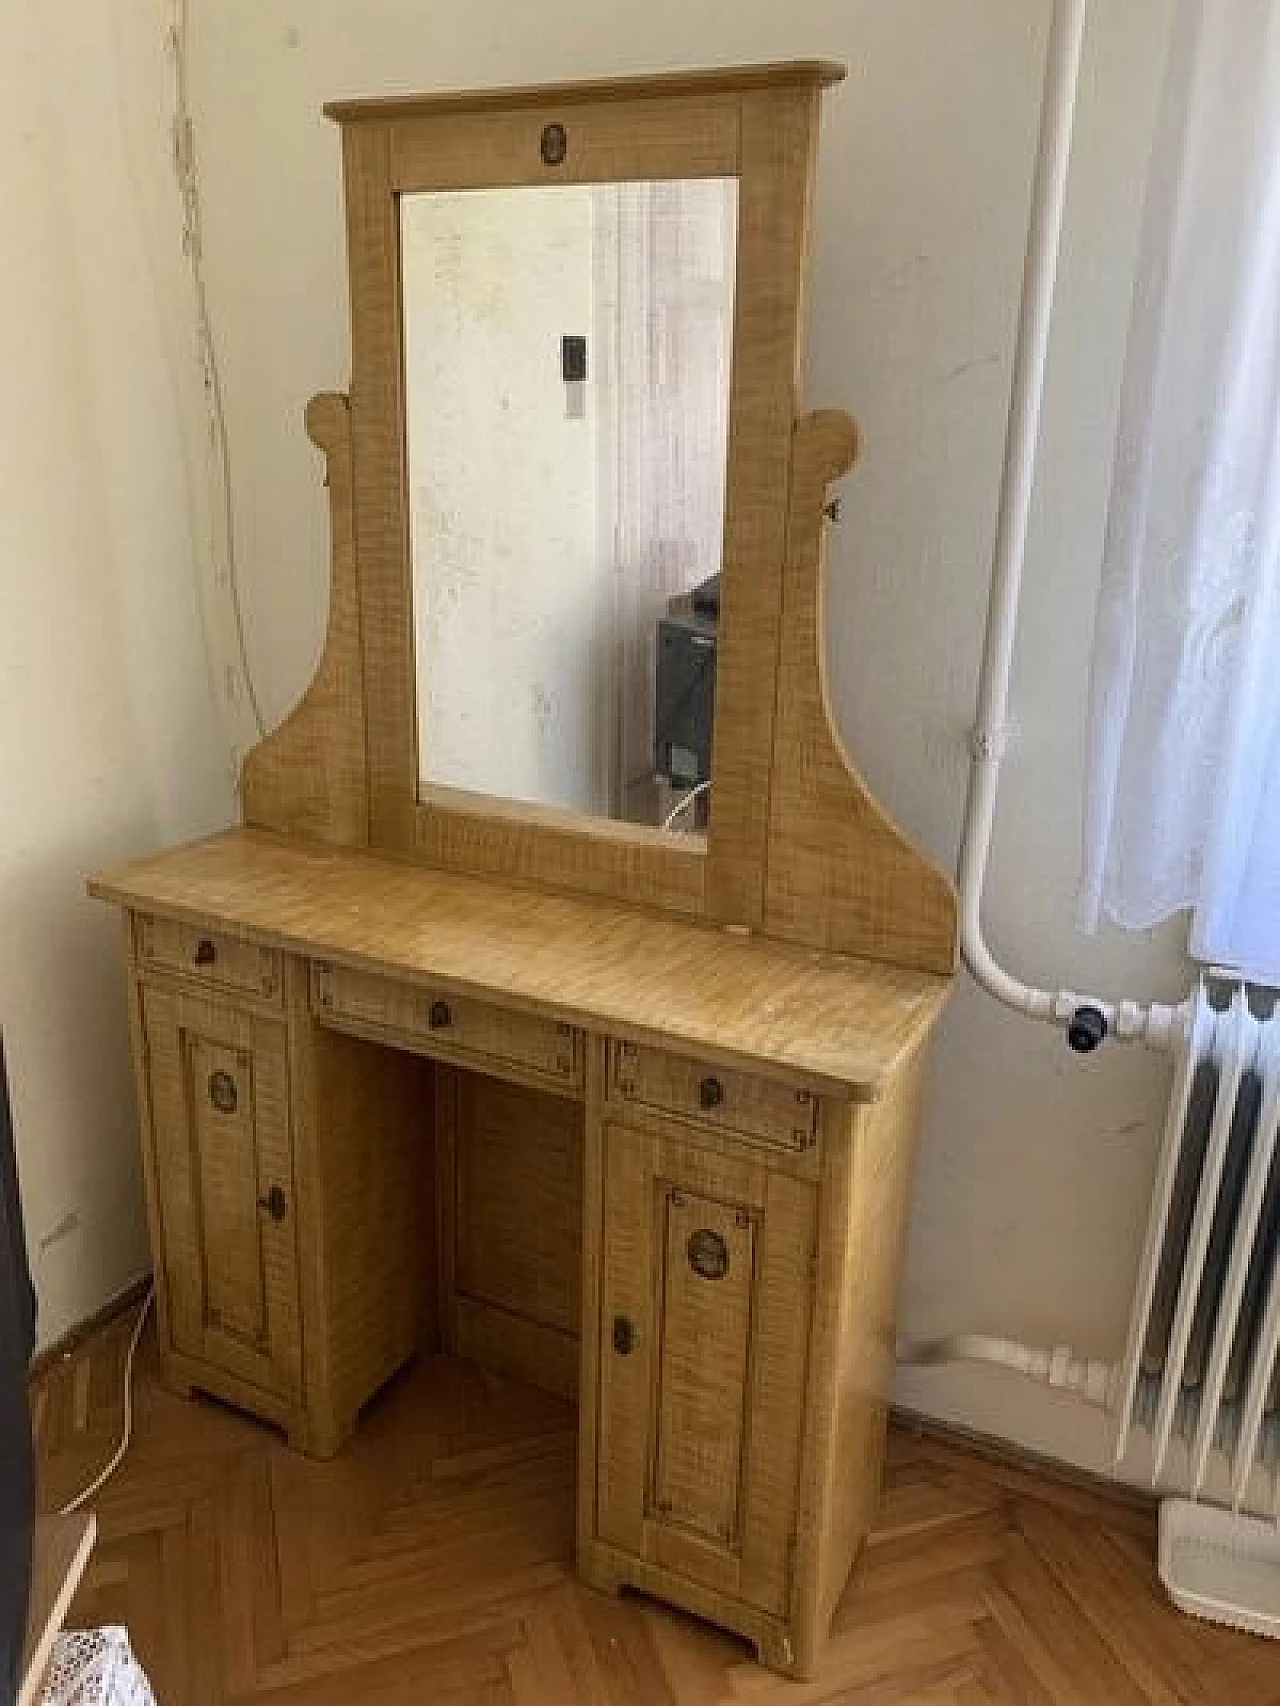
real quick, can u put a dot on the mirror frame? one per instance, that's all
(798, 847)
(758, 126)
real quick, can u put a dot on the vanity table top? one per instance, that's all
(841, 1024)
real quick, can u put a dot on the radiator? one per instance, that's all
(1202, 1363)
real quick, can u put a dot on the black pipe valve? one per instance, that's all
(1087, 1029)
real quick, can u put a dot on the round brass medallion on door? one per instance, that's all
(708, 1254)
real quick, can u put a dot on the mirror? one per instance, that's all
(567, 356)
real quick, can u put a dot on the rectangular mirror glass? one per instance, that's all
(567, 356)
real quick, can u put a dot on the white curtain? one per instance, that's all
(676, 248)
(1182, 806)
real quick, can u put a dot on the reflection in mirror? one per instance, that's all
(567, 358)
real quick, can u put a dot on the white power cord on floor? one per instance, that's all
(127, 1431)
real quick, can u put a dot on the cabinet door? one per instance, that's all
(706, 1294)
(219, 1081)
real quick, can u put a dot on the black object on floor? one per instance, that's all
(17, 1336)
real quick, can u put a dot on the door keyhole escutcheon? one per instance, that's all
(223, 1093)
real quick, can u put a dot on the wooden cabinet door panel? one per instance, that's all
(222, 1157)
(704, 1342)
(706, 1292)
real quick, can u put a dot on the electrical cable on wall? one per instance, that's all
(158, 151)
(237, 676)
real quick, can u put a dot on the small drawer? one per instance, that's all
(220, 961)
(741, 1102)
(456, 1027)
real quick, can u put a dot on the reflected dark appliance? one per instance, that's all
(685, 696)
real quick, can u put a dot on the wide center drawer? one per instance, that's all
(456, 1027)
(741, 1102)
(190, 950)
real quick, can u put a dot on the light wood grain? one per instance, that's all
(208, 958)
(308, 777)
(481, 1034)
(429, 1068)
(608, 142)
(779, 152)
(440, 1548)
(365, 1186)
(795, 845)
(60, 1551)
(868, 1162)
(760, 128)
(732, 1458)
(380, 479)
(817, 1020)
(231, 1266)
(700, 1422)
(714, 80)
(146, 1136)
(512, 1235)
(841, 875)
(740, 1103)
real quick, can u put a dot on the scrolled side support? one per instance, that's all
(309, 777)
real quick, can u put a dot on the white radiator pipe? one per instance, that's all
(1153, 1022)
(1095, 1382)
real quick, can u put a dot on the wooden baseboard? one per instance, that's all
(1000, 1453)
(74, 1337)
(1005, 1455)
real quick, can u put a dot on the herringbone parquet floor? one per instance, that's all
(430, 1563)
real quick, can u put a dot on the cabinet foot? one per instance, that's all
(322, 1437)
(599, 1573)
(776, 1651)
(174, 1382)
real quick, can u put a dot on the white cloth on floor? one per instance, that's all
(95, 1667)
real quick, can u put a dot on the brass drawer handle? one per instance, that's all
(710, 1092)
(553, 144)
(223, 1093)
(206, 951)
(439, 1016)
(708, 1254)
(274, 1203)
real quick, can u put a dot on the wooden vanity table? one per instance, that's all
(458, 1045)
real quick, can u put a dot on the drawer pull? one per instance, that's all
(624, 1336)
(440, 1016)
(274, 1203)
(708, 1254)
(553, 144)
(710, 1092)
(222, 1092)
(206, 951)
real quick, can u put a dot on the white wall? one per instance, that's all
(106, 742)
(1036, 1166)
(511, 644)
